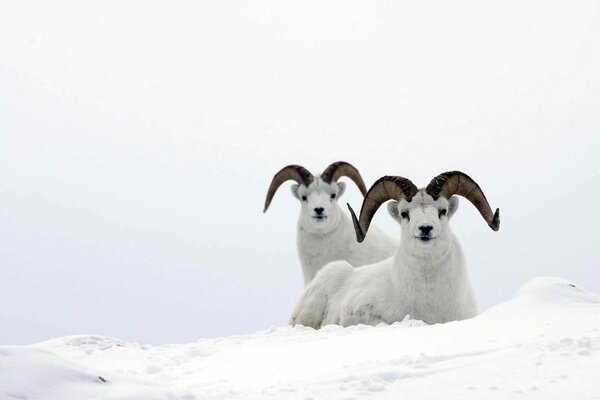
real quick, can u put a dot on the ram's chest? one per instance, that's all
(319, 253)
(429, 303)
(315, 254)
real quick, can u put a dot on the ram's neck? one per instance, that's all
(426, 270)
(316, 250)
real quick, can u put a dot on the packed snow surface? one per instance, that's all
(542, 344)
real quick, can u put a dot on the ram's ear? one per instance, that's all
(452, 206)
(341, 189)
(295, 192)
(392, 207)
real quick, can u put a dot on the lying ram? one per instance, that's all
(427, 277)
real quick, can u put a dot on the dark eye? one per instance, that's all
(333, 196)
(303, 198)
(443, 211)
(404, 214)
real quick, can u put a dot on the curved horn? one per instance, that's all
(384, 189)
(341, 168)
(295, 172)
(456, 182)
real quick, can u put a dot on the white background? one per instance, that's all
(137, 141)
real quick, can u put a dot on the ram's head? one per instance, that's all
(423, 213)
(318, 195)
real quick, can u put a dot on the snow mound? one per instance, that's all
(556, 291)
(542, 344)
(28, 373)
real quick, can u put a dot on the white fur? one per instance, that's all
(321, 241)
(424, 279)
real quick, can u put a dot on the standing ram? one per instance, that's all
(426, 279)
(325, 233)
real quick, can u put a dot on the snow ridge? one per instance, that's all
(543, 343)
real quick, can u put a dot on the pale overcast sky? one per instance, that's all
(137, 141)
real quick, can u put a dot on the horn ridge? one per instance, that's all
(342, 168)
(289, 172)
(384, 189)
(450, 183)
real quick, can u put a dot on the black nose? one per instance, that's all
(319, 210)
(425, 229)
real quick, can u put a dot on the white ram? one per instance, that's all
(427, 277)
(325, 232)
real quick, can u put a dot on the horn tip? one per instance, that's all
(495, 224)
(360, 235)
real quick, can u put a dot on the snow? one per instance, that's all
(31, 373)
(542, 344)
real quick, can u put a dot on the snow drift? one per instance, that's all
(542, 344)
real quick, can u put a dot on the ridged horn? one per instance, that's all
(341, 168)
(295, 172)
(384, 189)
(456, 182)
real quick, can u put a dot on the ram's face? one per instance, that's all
(320, 212)
(424, 221)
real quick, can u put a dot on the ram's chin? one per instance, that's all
(424, 240)
(322, 226)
